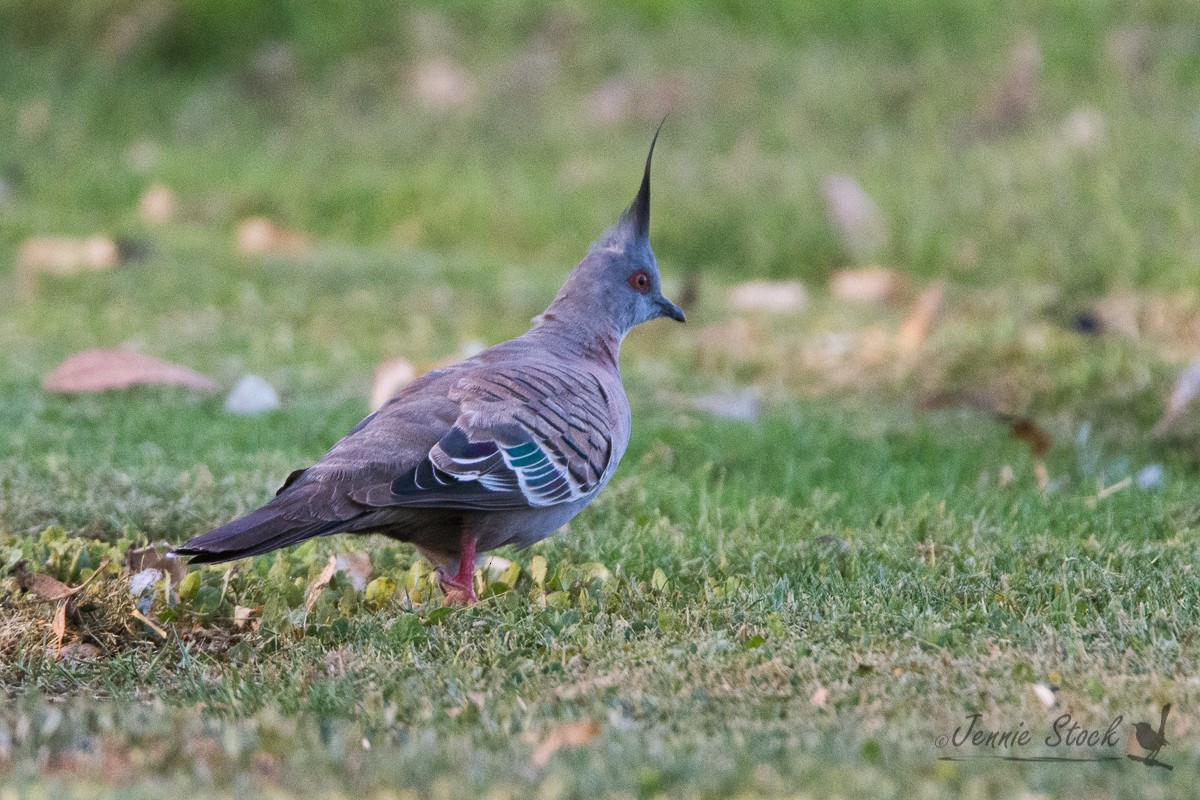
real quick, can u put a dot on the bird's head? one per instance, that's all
(617, 283)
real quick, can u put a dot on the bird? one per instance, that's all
(503, 448)
(1150, 739)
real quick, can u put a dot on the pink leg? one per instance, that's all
(461, 588)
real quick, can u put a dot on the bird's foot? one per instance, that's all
(459, 592)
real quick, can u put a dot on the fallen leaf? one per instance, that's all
(568, 735)
(80, 651)
(919, 322)
(771, 296)
(261, 236)
(47, 588)
(105, 369)
(867, 285)
(391, 377)
(356, 567)
(51, 589)
(855, 217)
(659, 581)
(242, 616)
(157, 205)
(59, 627)
(149, 623)
(314, 590)
(380, 591)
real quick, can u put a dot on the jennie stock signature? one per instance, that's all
(1066, 739)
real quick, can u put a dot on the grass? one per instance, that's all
(795, 606)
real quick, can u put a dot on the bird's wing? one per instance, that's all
(526, 436)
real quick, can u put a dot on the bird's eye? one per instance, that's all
(640, 281)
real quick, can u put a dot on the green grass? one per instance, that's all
(797, 606)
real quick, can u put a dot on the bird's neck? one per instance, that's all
(585, 338)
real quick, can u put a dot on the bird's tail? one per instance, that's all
(1162, 723)
(259, 531)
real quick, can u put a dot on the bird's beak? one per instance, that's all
(671, 310)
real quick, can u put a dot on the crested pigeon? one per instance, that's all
(500, 449)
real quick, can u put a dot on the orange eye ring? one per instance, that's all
(640, 281)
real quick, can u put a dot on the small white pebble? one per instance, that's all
(252, 395)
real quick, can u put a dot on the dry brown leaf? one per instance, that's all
(157, 205)
(149, 623)
(59, 627)
(80, 651)
(142, 558)
(771, 296)
(1026, 430)
(104, 369)
(243, 617)
(855, 216)
(571, 734)
(261, 236)
(868, 285)
(391, 377)
(356, 567)
(314, 590)
(919, 322)
(49, 589)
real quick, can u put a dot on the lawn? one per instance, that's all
(803, 598)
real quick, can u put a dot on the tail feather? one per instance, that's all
(258, 532)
